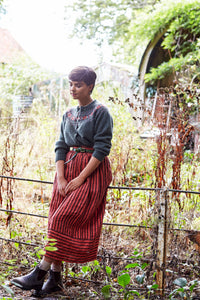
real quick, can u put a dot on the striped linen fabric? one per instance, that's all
(75, 221)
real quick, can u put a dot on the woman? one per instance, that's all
(83, 175)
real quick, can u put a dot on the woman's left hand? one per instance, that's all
(74, 184)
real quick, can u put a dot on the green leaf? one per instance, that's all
(181, 289)
(50, 240)
(72, 274)
(106, 291)
(41, 252)
(132, 265)
(154, 286)
(95, 263)
(24, 261)
(193, 284)
(52, 244)
(144, 265)
(86, 269)
(180, 282)
(16, 245)
(49, 248)
(108, 270)
(124, 280)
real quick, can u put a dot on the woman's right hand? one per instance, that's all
(62, 183)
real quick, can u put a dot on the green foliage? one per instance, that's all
(51, 244)
(108, 270)
(179, 23)
(124, 280)
(175, 64)
(129, 26)
(132, 160)
(150, 22)
(99, 19)
(185, 288)
(106, 291)
(86, 269)
(3, 276)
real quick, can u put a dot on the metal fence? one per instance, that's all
(162, 223)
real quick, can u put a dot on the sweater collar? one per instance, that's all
(86, 107)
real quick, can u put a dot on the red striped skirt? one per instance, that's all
(75, 221)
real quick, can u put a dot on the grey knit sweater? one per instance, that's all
(89, 126)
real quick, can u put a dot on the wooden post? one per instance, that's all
(162, 210)
(154, 107)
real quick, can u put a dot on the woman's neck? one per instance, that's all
(85, 102)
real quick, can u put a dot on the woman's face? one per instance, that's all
(80, 90)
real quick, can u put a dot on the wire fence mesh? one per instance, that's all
(157, 229)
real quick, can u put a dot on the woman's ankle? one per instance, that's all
(45, 264)
(56, 267)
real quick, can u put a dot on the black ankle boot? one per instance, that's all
(33, 280)
(53, 283)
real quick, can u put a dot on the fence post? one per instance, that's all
(162, 235)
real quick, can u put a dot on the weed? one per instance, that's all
(185, 288)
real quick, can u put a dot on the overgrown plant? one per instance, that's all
(184, 289)
(178, 136)
(8, 167)
(133, 162)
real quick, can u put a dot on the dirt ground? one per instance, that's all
(118, 248)
(182, 262)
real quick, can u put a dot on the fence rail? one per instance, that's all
(110, 187)
(162, 226)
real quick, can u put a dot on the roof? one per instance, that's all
(9, 48)
(114, 72)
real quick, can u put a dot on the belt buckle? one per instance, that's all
(82, 150)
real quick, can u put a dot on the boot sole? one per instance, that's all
(52, 291)
(27, 288)
(39, 294)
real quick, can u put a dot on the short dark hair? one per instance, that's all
(83, 73)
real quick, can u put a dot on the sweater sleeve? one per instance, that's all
(61, 148)
(103, 133)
